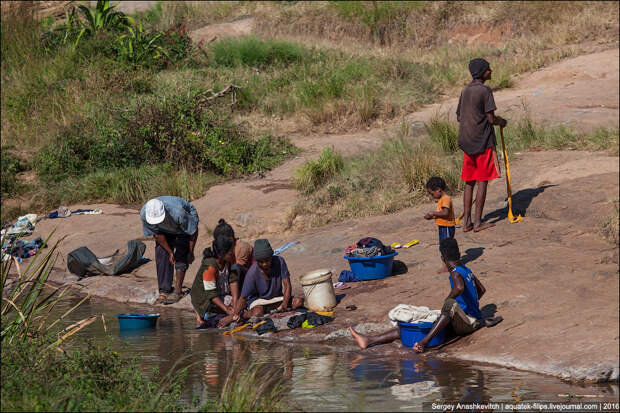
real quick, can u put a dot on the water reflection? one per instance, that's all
(319, 377)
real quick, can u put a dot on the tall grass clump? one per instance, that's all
(610, 228)
(250, 389)
(11, 165)
(443, 133)
(251, 51)
(317, 172)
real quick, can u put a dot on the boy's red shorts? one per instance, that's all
(480, 167)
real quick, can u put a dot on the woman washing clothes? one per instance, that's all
(216, 288)
(243, 250)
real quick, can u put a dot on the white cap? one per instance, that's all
(155, 211)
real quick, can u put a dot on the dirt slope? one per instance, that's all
(552, 277)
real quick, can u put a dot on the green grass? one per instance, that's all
(315, 173)
(443, 133)
(403, 164)
(380, 181)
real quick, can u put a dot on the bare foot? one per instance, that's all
(483, 226)
(419, 347)
(468, 227)
(361, 340)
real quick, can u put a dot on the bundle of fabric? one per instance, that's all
(21, 248)
(412, 314)
(83, 263)
(24, 225)
(308, 320)
(368, 247)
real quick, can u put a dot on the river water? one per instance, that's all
(322, 378)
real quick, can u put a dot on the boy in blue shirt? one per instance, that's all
(460, 310)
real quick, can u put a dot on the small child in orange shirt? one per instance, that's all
(444, 214)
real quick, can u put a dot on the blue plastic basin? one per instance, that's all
(372, 268)
(136, 321)
(411, 333)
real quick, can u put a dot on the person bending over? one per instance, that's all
(173, 222)
(216, 287)
(460, 309)
(267, 285)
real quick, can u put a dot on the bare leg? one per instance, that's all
(441, 323)
(178, 282)
(366, 341)
(481, 196)
(467, 199)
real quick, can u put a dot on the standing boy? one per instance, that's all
(173, 222)
(444, 213)
(476, 116)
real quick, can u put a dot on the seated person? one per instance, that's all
(267, 279)
(216, 288)
(243, 250)
(460, 310)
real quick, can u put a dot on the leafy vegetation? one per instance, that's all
(11, 166)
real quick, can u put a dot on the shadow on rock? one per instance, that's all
(488, 310)
(471, 254)
(399, 268)
(521, 201)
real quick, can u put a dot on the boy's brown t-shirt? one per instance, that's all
(445, 202)
(475, 132)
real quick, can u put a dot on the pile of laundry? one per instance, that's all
(25, 224)
(368, 247)
(412, 314)
(275, 322)
(20, 248)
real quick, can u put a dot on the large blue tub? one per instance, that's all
(137, 321)
(411, 333)
(372, 268)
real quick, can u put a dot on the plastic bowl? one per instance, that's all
(372, 268)
(411, 333)
(137, 321)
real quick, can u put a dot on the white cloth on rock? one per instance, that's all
(412, 314)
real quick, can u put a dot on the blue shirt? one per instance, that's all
(255, 284)
(181, 218)
(468, 300)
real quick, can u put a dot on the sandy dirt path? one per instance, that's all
(553, 277)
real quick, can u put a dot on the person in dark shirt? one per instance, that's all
(267, 284)
(476, 116)
(173, 222)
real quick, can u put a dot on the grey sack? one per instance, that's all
(83, 263)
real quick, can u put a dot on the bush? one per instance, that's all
(316, 173)
(174, 130)
(11, 166)
(90, 379)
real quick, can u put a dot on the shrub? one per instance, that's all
(315, 173)
(610, 227)
(11, 166)
(89, 379)
(174, 130)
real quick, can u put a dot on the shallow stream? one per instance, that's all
(322, 377)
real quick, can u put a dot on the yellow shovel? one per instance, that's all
(511, 217)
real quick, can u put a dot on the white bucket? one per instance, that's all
(318, 290)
